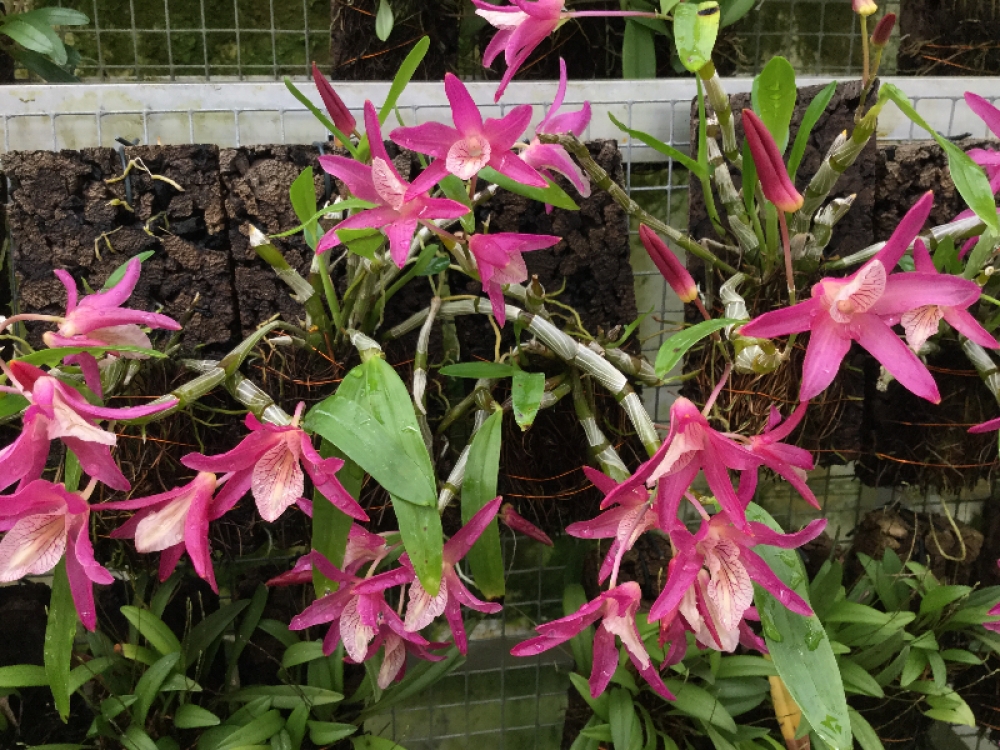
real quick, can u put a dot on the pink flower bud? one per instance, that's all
(864, 7)
(880, 36)
(519, 523)
(672, 269)
(771, 172)
(339, 112)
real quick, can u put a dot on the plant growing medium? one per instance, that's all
(684, 664)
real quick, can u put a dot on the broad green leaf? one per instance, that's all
(302, 652)
(153, 629)
(148, 686)
(383, 20)
(437, 264)
(480, 487)
(697, 702)
(60, 631)
(663, 148)
(857, 680)
(180, 683)
(479, 370)
(259, 730)
(674, 348)
(970, 179)
(42, 66)
(696, 27)
(23, 675)
(552, 195)
(811, 673)
(744, 666)
(328, 732)
(638, 51)
(812, 114)
(302, 194)
(403, 76)
(773, 96)
(939, 598)
(190, 716)
(825, 587)
(526, 395)
(288, 696)
(33, 34)
(861, 614)
(11, 404)
(330, 525)
(58, 16)
(135, 738)
(206, 632)
(734, 10)
(864, 734)
(119, 273)
(961, 656)
(621, 714)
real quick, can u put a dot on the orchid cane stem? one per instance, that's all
(789, 272)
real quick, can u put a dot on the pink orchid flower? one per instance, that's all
(59, 411)
(363, 548)
(862, 307)
(423, 608)
(616, 610)
(625, 523)
(99, 320)
(471, 145)
(922, 322)
(175, 522)
(398, 207)
(268, 463)
(551, 156)
(498, 257)
(396, 648)
(356, 610)
(714, 601)
(43, 522)
(787, 461)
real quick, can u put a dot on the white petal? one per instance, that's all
(163, 528)
(392, 662)
(730, 588)
(33, 546)
(920, 324)
(467, 156)
(858, 295)
(501, 20)
(277, 481)
(423, 608)
(69, 423)
(387, 184)
(681, 452)
(355, 634)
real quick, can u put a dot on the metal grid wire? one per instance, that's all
(267, 39)
(517, 704)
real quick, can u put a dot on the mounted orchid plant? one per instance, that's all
(730, 583)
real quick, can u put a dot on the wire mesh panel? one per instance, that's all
(493, 699)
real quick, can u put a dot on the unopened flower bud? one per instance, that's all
(864, 7)
(771, 172)
(519, 523)
(339, 112)
(668, 264)
(880, 36)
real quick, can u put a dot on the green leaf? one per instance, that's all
(148, 686)
(553, 195)
(31, 33)
(303, 197)
(60, 631)
(437, 264)
(773, 96)
(330, 525)
(87, 671)
(368, 742)
(383, 20)
(23, 675)
(674, 348)
(206, 632)
(970, 179)
(479, 370)
(939, 598)
(734, 10)
(667, 150)
(135, 738)
(119, 273)
(865, 735)
(328, 732)
(403, 76)
(247, 627)
(302, 652)
(638, 51)
(813, 112)
(950, 708)
(190, 716)
(260, 729)
(55, 355)
(288, 696)
(961, 656)
(699, 703)
(601, 705)
(325, 121)
(857, 680)
(667, 5)
(811, 674)
(349, 204)
(526, 395)
(744, 666)
(58, 16)
(11, 404)
(480, 487)
(695, 30)
(620, 716)
(153, 629)
(916, 663)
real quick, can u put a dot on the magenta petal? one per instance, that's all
(605, 661)
(467, 117)
(762, 575)
(509, 164)
(600, 480)
(400, 234)
(569, 122)
(828, 345)
(680, 577)
(986, 111)
(551, 156)
(435, 172)
(96, 462)
(373, 131)
(906, 231)
(441, 208)
(243, 456)
(432, 138)
(459, 545)
(764, 535)
(504, 132)
(169, 559)
(70, 285)
(354, 174)
(794, 319)
(196, 535)
(888, 349)
(907, 291)
(969, 327)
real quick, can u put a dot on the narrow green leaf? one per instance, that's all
(330, 525)
(812, 114)
(153, 629)
(663, 148)
(302, 194)
(43, 67)
(734, 10)
(259, 730)
(479, 370)
(302, 652)
(744, 666)
(135, 738)
(383, 20)
(60, 631)
(296, 725)
(58, 16)
(52, 356)
(206, 632)
(87, 671)
(23, 675)
(343, 138)
(420, 529)
(553, 195)
(526, 395)
(857, 680)
(961, 656)
(328, 732)
(119, 273)
(696, 27)
(773, 96)
(480, 487)
(190, 716)
(939, 598)
(863, 732)
(811, 674)
(35, 36)
(674, 348)
(699, 703)
(970, 179)
(601, 706)
(638, 51)
(953, 710)
(148, 686)
(288, 696)
(620, 716)
(403, 76)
